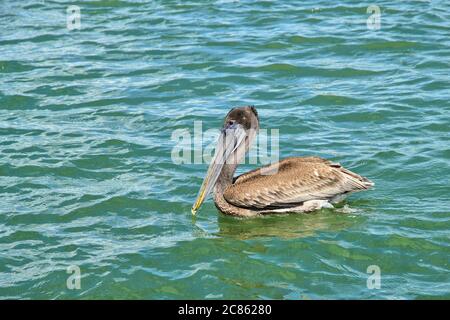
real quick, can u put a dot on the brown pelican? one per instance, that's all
(291, 185)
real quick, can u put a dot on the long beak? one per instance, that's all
(229, 140)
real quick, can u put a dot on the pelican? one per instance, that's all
(292, 185)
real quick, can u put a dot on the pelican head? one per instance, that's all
(239, 129)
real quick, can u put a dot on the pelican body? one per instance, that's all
(292, 185)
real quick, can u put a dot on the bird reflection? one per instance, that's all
(287, 226)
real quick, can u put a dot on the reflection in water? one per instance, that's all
(286, 225)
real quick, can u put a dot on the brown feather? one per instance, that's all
(296, 180)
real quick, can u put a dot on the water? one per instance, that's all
(87, 179)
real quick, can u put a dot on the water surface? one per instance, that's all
(87, 179)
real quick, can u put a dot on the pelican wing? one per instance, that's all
(291, 182)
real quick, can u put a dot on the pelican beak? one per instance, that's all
(231, 137)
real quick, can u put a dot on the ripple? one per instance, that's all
(325, 100)
(86, 119)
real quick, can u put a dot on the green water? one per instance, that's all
(87, 179)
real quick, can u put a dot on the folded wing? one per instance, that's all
(293, 181)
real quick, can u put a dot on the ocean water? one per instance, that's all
(88, 184)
